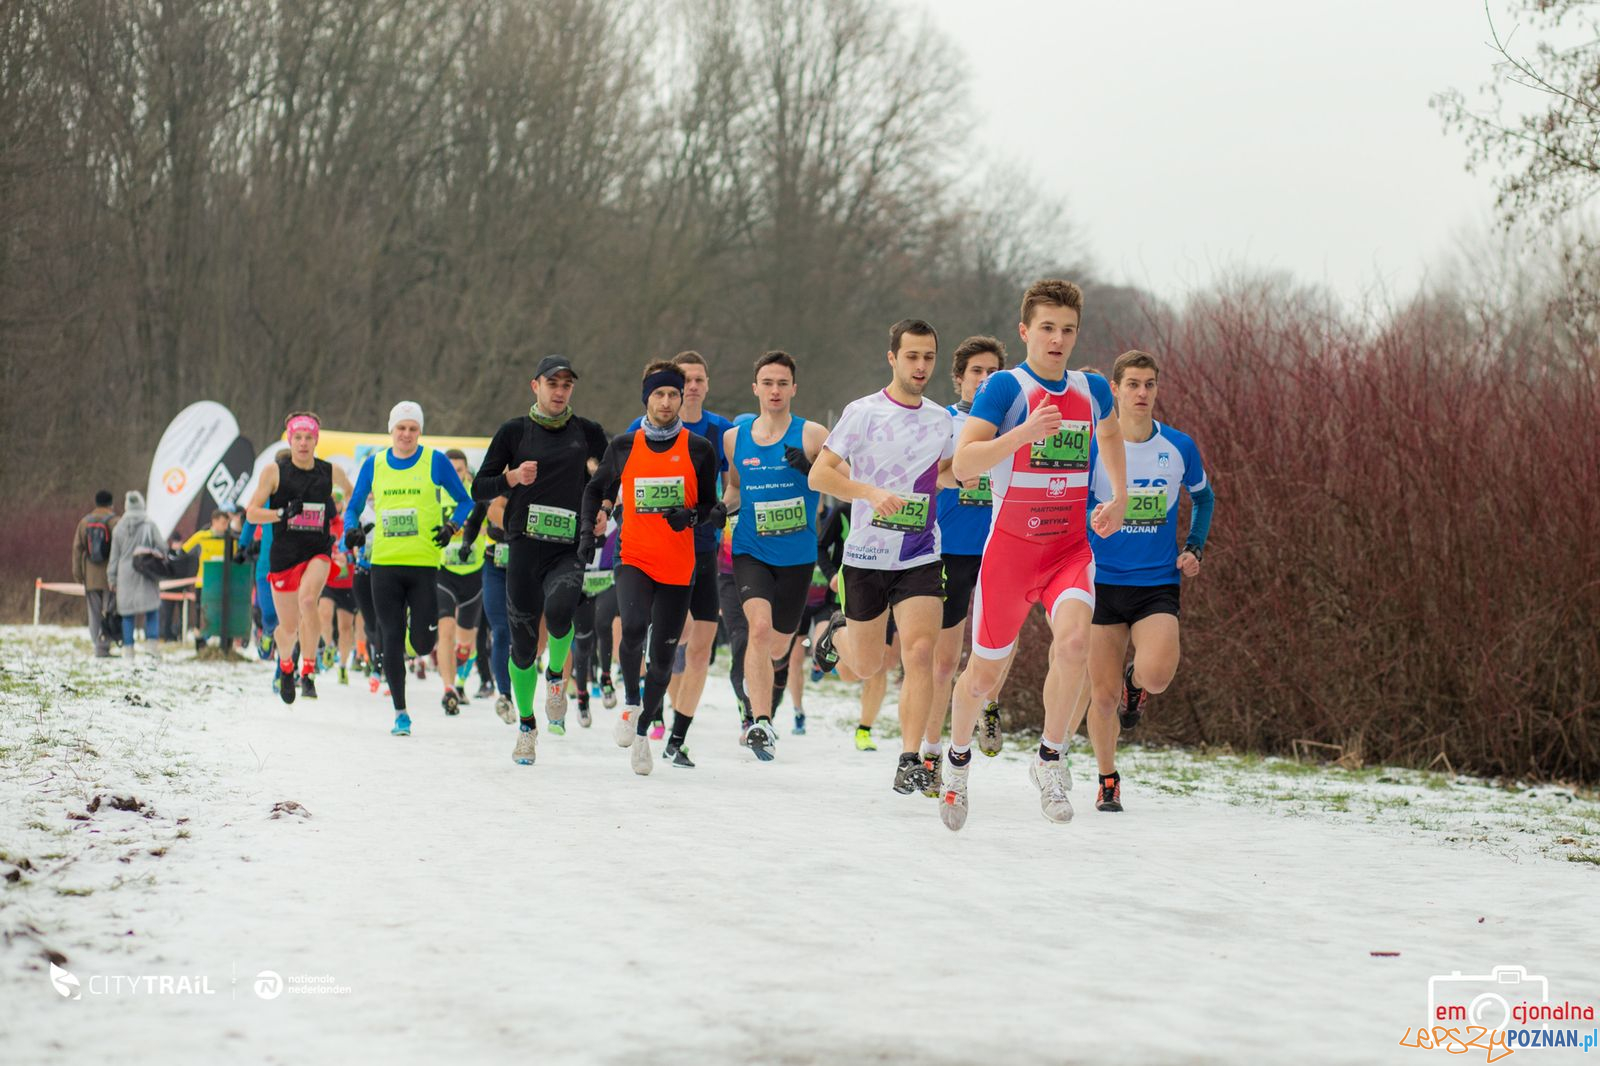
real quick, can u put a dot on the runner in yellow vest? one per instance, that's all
(407, 483)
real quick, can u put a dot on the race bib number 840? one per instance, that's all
(1065, 449)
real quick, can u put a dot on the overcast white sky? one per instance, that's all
(1189, 137)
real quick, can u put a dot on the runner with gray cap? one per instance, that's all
(541, 462)
(407, 483)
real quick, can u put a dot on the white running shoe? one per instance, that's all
(1054, 800)
(991, 738)
(555, 700)
(623, 732)
(503, 708)
(643, 763)
(527, 748)
(953, 801)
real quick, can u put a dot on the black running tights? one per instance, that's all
(651, 609)
(399, 591)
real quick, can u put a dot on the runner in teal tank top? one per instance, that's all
(775, 540)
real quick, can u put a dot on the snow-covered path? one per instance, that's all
(791, 912)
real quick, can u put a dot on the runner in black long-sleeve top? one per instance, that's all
(541, 461)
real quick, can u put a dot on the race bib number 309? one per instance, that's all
(401, 522)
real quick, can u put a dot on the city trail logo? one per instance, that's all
(174, 480)
(64, 982)
(69, 987)
(268, 984)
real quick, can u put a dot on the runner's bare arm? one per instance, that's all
(829, 477)
(1108, 516)
(730, 477)
(812, 438)
(257, 511)
(980, 449)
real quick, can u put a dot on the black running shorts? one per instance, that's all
(1123, 605)
(960, 578)
(704, 602)
(343, 599)
(461, 597)
(783, 587)
(868, 592)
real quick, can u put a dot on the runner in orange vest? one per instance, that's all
(664, 479)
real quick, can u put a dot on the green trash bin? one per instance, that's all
(240, 582)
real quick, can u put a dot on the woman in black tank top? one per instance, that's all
(296, 492)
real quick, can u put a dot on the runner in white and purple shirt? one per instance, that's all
(890, 455)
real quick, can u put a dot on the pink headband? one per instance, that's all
(299, 422)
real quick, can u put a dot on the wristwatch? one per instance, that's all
(1194, 550)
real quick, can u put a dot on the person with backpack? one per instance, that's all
(137, 594)
(91, 551)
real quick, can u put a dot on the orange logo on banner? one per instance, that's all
(174, 480)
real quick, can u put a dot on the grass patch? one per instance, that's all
(1584, 857)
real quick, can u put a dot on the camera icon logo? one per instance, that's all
(1484, 999)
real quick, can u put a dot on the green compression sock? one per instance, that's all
(524, 679)
(558, 648)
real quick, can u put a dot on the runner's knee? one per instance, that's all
(1069, 650)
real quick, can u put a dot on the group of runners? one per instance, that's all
(1040, 485)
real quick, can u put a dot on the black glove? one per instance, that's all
(443, 533)
(253, 549)
(292, 508)
(680, 518)
(586, 547)
(464, 553)
(496, 534)
(355, 537)
(240, 554)
(796, 457)
(718, 517)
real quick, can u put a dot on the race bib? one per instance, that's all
(1065, 449)
(309, 518)
(912, 518)
(501, 555)
(597, 581)
(982, 496)
(552, 523)
(401, 522)
(1146, 507)
(774, 518)
(657, 495)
